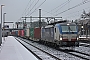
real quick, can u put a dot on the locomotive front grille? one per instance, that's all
(69, 37)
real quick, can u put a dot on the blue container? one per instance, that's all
(16, 33)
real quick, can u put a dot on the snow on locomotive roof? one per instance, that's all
(48, 26)
(63, 21)
(65, 24)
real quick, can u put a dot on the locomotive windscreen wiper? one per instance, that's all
(70, 29)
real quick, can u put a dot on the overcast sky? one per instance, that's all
(15, 9)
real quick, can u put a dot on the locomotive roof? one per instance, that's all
(63, 21)
(48, 26)
(66, 23)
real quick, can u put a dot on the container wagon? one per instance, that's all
(37, 34)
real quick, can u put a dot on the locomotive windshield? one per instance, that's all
(69, 28)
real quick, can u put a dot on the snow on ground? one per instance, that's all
(13, 50)
(60, 54)
(83, 49)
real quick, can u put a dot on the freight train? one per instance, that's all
(61, 34)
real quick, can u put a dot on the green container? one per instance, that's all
(32, 32)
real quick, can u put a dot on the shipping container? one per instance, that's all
(37, 33)
(27, 32)
(13, 33)
(19, 32)
(22, 33)
(16, 33)
(47, 34)
(31, 33)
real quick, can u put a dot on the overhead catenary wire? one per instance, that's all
(35, 8)
(47, 12)
(61, 5)
(73, 16)
(61, 12)
(26, 7)
(76, 14)
(38, 7)
(88, 8)
(86, 1)
(29, 6)
(24, 10)
(32, 7)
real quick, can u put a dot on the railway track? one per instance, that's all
(39, 53)
(56, 54)
(77, 53)
(85, 44)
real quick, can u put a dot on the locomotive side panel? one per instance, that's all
(48, 34)
(56, 34)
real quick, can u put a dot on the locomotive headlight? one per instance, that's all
(77, 38)
(60, 38)
(68, 24)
